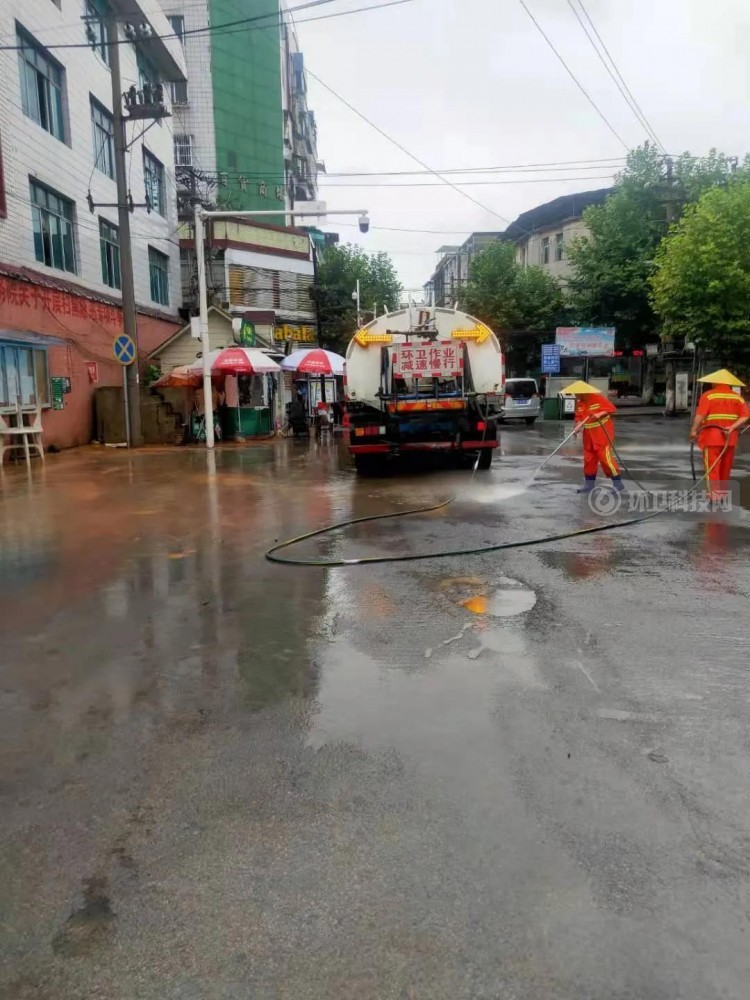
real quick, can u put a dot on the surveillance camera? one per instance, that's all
(364, 223)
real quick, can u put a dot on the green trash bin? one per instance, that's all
(551, 408)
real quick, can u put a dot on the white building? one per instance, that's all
(57, 147)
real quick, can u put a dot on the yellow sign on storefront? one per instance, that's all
(302, 334)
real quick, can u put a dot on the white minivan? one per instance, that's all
(522, 400)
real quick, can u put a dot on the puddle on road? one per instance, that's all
(506, 601)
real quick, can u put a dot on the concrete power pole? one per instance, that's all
(670, 209)
(131, 383)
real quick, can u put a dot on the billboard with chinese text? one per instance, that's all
(585, 341)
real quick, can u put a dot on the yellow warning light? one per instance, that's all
(364, 338)
(480, 333)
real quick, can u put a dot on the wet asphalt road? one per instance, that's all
(520, 776)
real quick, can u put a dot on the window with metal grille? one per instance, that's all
(183, 150)
(103, 138)
(96, 28)
(52, 219)
(153, 179)
(158, 269)
(42, 81)
(109, 244)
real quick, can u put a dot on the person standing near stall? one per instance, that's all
(721, 413)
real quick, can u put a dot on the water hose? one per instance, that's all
(274, 553)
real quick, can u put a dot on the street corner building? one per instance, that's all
(60, 267)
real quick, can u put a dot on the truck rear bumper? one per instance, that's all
(384, 449)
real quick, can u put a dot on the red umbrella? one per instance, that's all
(314, 361)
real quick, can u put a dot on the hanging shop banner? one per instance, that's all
(585, 341)
(92, 368)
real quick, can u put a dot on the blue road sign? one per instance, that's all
(123, 349)
(550, 359)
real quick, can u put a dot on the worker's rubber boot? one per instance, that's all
(617, 484)
(588, 485)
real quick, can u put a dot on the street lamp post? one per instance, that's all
(200, 216)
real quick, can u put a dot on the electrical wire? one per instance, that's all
(527, 180)
(636, 105)
(574, 78)
(619, 83)
(229, 27)
(403, 148)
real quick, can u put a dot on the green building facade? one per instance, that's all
(247, 106)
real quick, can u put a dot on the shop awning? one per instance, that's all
(31, 339)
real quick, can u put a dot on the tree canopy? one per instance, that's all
(338, 270)
(509, 297)
(612, 266)
(700, 287)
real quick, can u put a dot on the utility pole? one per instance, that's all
(670, 212)
(200, 254)
(131, 381)
(359, 313)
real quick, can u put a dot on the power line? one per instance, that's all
(221, 28)
(526, 180)
(617, 79)
(575, 79)
(403, 148)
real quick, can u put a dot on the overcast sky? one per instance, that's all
(472, 83)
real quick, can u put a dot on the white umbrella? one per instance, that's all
(314, 361)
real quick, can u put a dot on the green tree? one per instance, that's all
(337, 273)
(700, 287)
(611, 267)
(511, 298)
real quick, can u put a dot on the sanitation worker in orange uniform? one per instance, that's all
(592, 417)
(719, 407)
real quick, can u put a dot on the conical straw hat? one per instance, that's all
(722, 377)
(578, 389)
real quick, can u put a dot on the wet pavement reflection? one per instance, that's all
(522, 774)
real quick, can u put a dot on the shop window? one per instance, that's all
(24, 376)
(158, 268)
(52, 224)
(42, 81)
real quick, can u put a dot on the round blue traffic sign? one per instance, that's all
(124, 349)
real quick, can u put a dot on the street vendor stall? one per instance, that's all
(248, 395)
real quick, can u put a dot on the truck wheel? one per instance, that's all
(529, 420)
(368, 465)
(485, 458)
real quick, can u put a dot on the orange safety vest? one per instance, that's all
(722, 407)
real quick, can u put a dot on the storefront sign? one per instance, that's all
(58, 391)
(585, 341)
(57, 302)
(302, 334)
(550, 359)
(246, 336)
(441, 359)
(93, 370)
